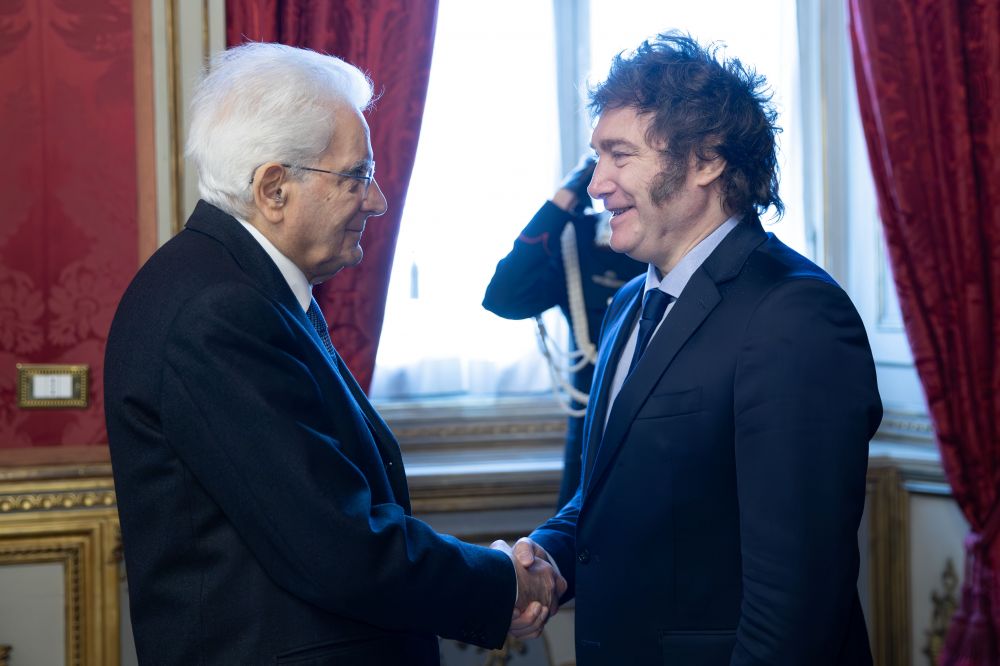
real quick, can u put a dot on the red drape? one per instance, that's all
(392, 41)
(928, 75)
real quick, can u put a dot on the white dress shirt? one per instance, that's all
(672, 284)
(293, 275)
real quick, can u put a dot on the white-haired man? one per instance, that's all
(264, 507)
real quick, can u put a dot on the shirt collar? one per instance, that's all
(673, 283)
(295, 278)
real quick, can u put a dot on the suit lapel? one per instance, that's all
(248, 253)
(367, 420)
(604, 372)
(384, 439)
(699, 298)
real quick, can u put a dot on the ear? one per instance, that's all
(706, 172)
(270, 191)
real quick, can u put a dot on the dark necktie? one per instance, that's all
(654, 304)
(316, 318)
(319, 323)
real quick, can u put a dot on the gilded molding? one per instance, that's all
(63, 514)
(55, 489)
(529, 428)
(42, 473)
(174, 102)
(4, 654)
(889, 559)
(906, 426)
(56, 500)
(454, 430)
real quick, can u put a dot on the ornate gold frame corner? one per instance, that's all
(74, 523)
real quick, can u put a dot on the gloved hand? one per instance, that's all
(577, 180)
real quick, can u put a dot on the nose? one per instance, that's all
(600, 185)
(375, 203)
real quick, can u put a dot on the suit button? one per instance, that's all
(583, 556)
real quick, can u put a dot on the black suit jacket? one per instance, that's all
(717, 519)
(264, 507)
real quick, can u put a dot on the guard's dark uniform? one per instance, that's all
(531, 279)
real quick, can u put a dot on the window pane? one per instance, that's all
(487, 159)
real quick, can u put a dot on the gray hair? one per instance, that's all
(260, 103)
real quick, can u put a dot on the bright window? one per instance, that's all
(489, 156)
(487, 159)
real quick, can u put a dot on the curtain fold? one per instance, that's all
(928, 77)
(392, 41)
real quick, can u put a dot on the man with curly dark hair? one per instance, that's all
(734, 395)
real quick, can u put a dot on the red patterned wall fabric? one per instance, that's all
(392, 41)
(928, 76)
(68, 240)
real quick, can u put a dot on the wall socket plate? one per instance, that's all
(51, 386)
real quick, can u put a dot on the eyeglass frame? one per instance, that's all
(367, 178)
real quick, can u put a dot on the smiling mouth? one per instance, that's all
(615, 212)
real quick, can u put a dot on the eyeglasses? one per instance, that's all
(367, 178)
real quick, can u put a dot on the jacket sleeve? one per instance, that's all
(558, 537)
(530, 279)
(257, 428)
(806, 405)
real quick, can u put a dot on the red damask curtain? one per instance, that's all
(392, 41)
(928, 75)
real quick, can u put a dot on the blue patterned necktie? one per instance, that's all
(319, 323)
(654, 304)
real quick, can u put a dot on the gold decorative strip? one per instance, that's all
(86, 544)
(4, 654)
(475, 429)
(174, 100)
(48, 473)
(57, 500)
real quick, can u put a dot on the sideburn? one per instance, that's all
(668, 182)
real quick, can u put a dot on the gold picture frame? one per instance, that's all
(69, 386)
(67, 515)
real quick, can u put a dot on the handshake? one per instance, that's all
(539, 587)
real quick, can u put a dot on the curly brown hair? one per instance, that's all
(702, 106)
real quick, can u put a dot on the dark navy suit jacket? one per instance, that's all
(717, 519)
(264, 506)
(531, 279)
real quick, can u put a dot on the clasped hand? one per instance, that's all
(539, 587)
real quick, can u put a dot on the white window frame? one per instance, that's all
(840, 197)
